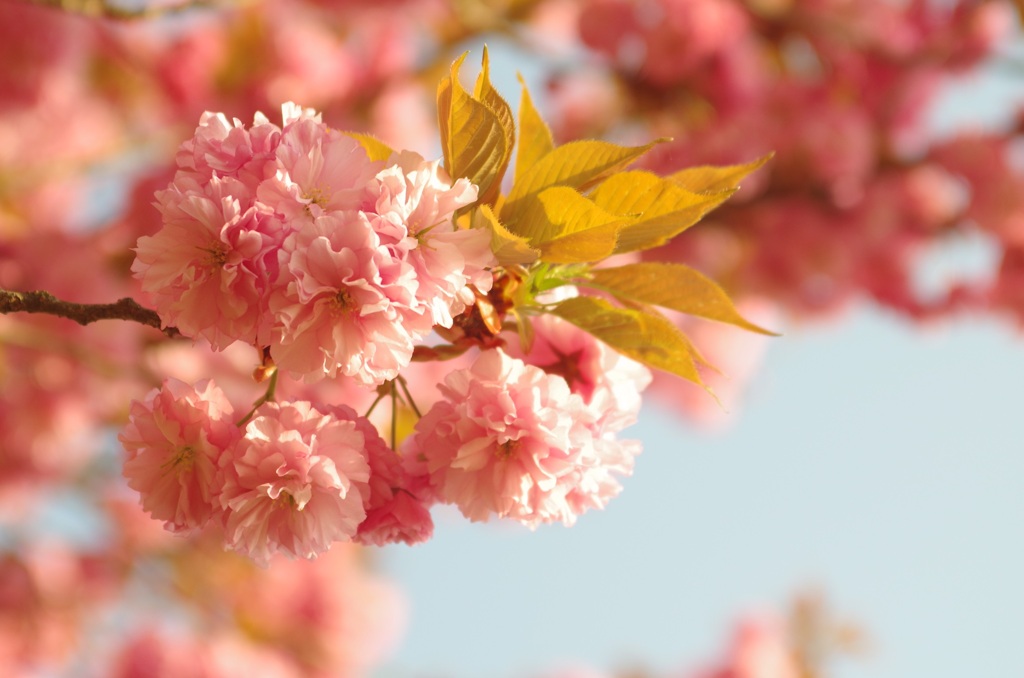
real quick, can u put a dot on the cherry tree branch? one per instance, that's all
(83, 314)
(105, 9)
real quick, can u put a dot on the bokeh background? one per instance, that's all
(854, 504)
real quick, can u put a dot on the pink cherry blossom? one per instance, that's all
(513, 441)
(175, 439)
(758, 650)
(611, 386)
(47, 590)
(665, 41)
(331, 615)
(339, 303)
(394, 511)
(319, 170)
(414, 203)
(226, 148)
(154, 652)
(415, 195)
(294, 483)
(403, 115)
(609, 383)
(208, 268)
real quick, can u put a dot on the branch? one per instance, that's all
(83, 314)
(104, 9)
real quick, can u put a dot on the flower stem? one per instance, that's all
(408, 397)
(394, 415)
(265, 398)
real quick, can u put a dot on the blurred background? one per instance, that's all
(852, 507)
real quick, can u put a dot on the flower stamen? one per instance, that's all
(342, 301)
(181, 462)
(506, 450)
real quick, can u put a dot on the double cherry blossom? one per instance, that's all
(335, 266)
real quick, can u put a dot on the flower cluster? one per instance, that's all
(295, 478)
(292, 237)
(511, 439)
(335, 266)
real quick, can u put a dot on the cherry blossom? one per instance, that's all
(175, 439)
(394, 512)
(319, 170)
(294, 483)
(208, 269)
(513, 441)
(339, 302)
(415, 202)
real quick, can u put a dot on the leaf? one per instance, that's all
(578, 164)
(673, 286)
(713, 179)
(485, 93)
(535, 140)
(472, 137)
(662, 210)
(508, 247)
(587, 246)
(559, 211)
(648, 338)
(374, 147)
(568, 227)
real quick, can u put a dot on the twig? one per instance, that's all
(104, 9)
(83, 314)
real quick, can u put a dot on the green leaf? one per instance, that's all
(578, 164)
(472, 137)
(713, 179)
(673, 286)
(645, 337)
(508, 247)
(485, 93)
(374, 147)
(535, 140)
(662, 210)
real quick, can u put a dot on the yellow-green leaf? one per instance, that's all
(535, 140)
(578, 164)
(587, 246)
(508, 247)
(673, 286)
(374, 147)
(445, 92)
(472, 137)
(662, 210)
(647, 338)
(713, 179)
(524, 328)
(567, 227)
(559, 211)
(485, 93)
